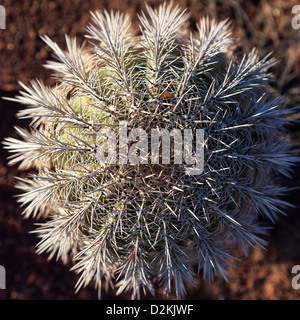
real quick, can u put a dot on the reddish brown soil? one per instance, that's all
(265, 24)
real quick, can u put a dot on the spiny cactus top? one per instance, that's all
(147, 221)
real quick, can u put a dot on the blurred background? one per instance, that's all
(265, 24)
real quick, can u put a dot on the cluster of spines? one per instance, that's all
(134, 225)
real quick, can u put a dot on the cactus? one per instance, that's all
(139, 226)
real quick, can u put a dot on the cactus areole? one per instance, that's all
(139, 217)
